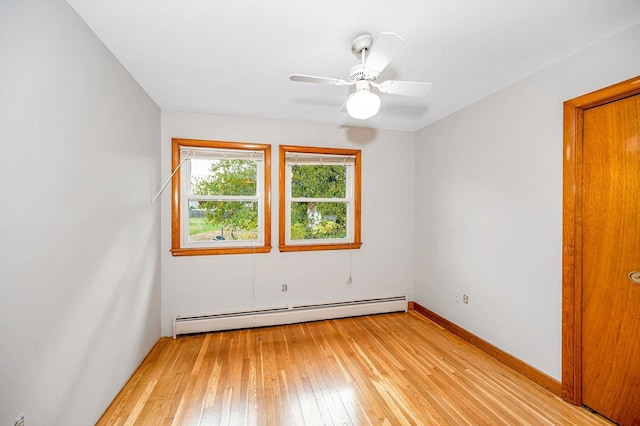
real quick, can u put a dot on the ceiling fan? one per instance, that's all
(363, 103)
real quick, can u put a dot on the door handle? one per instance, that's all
(634, 276)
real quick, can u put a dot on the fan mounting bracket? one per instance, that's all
(361, 43)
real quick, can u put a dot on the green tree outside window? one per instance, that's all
(318, 219)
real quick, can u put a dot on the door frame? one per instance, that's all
(572, 230)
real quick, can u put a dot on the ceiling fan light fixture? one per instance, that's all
(363, 103)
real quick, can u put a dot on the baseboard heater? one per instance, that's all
(287, 315)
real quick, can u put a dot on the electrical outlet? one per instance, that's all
(465, 299)
(284, 288)
(19, 420)
(456, 296)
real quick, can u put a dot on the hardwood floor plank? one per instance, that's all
(389, 369)
(189, 408)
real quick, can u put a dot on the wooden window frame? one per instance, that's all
(357, 202)
(176, 229)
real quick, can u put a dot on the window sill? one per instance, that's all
(219, 251)
(317, 247)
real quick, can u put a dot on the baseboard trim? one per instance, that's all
(547, 382)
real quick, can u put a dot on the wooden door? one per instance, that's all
(611, 250)
(604, 326)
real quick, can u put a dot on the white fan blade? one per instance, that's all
(383, 50)
(406, 88)
(318, 80)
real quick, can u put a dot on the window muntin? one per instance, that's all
(319, 198)
(221, 198)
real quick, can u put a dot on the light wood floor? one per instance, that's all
(390, 369)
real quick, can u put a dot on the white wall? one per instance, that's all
(79, 263)
(489, 204)
(382, 267)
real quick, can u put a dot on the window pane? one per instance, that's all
(318, 181)
(313, 221)
(223, 177)
(223, 220)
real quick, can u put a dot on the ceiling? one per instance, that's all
(235, 57)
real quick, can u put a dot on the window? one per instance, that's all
(221, 198)
(319, 198)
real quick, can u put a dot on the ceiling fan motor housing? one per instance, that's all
(360, 72)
